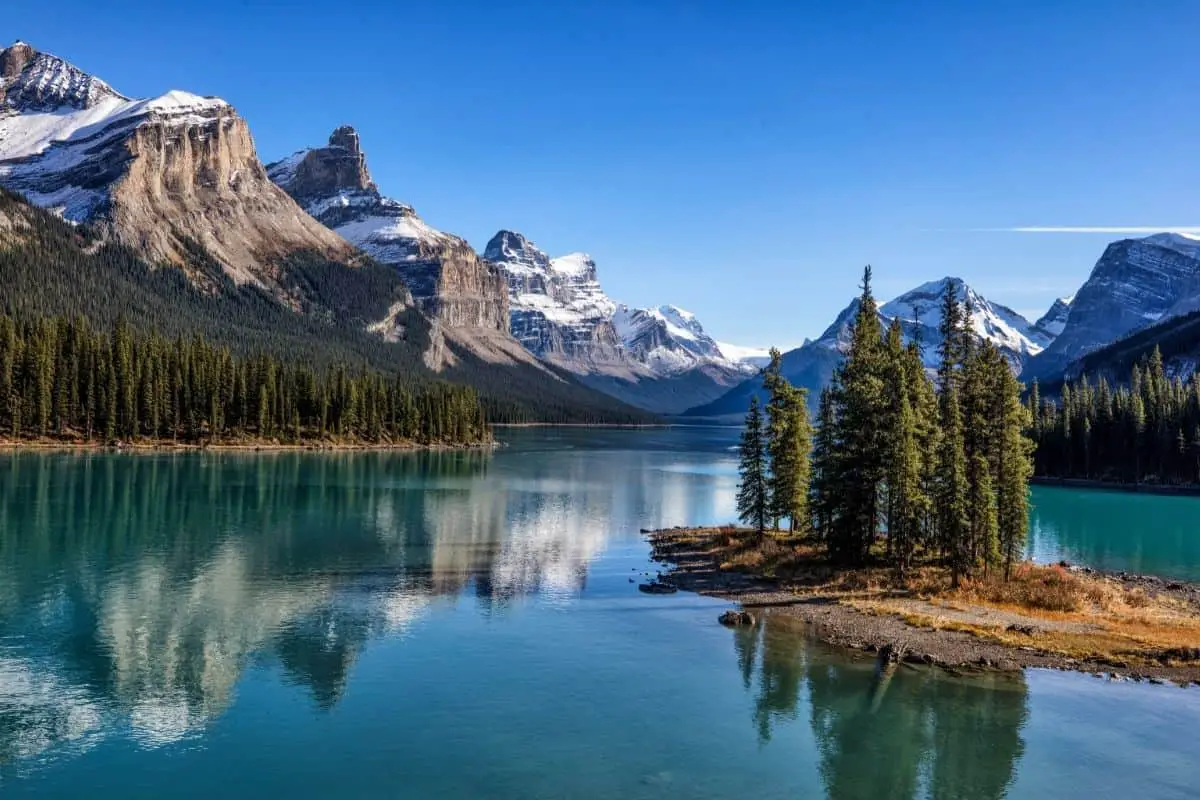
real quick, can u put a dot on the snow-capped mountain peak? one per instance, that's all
(35, 81)
(670, 340)
(920, 313)
(333, 184)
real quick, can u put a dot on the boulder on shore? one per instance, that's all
(736, 618)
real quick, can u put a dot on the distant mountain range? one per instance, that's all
(175, 180)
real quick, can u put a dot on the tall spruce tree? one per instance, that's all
(789, 444)
(906, 506)
(823, 494)
(951, 513)
(753, 494)
(1015, 455)
(860, 402)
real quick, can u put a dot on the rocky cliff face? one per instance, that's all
(1135, 284)
(558, 310)
(461, 293)
(1052, 323)
(162, 175)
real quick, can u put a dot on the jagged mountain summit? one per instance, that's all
(670, 340)
(558, 310)
(919, 311)
(657, 358)
(466, 297)
(164, 175)
(1136, 283)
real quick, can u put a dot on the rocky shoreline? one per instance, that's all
(829, 618)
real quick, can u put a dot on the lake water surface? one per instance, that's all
(465, 625)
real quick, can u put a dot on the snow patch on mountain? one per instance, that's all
(920, 313)
(754, 356)
(559, 311)
(670, 340)
(56, 122)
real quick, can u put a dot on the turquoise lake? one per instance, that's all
(462, 625)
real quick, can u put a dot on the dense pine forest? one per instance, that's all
(899, 467)
(61, 379)
(49, 268)
(1145, 431)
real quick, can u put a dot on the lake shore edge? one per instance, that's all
(912, 630)
(250, 446)
(1166, 490)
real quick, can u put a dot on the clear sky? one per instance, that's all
(741, 160)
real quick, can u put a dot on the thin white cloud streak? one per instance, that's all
(1188, 229)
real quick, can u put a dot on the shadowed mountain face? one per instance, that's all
(1135, 284)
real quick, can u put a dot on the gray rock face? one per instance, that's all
(1135, 284)
(33, 81)
(159, 175)
(667, 338)
(325, 171)
(450, 283)
(557, 309)
(1052, 323)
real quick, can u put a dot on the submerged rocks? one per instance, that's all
(657, 588)
(736, 618)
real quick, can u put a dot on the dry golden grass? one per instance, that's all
(1049, 608)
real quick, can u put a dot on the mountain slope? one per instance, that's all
(558, 310)
(1052, 323)
(1135, 283)
(465, 297)
(161, 175)
(659, 359)
(919, 310)
(45, 262)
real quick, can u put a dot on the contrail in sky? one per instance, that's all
(1193, 230)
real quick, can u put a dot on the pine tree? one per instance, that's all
(789, 443)
(951, 498)
(859, 392)
(823, 493)
(1015, 468)
(906, 506)
(753, 499)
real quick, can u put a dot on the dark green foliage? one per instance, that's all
(1145, 431)
(753, 493)
(789, 444)
(61, 378)
(860, 403)
(50, 269)
(947, 474)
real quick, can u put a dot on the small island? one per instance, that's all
(1054, 616)
(907, 510)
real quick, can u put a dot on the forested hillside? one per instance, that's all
(1145, 429)
(49, 268)
(60, 378)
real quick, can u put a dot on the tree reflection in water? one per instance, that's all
(886, 731)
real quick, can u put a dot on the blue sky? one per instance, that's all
(743, 161)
